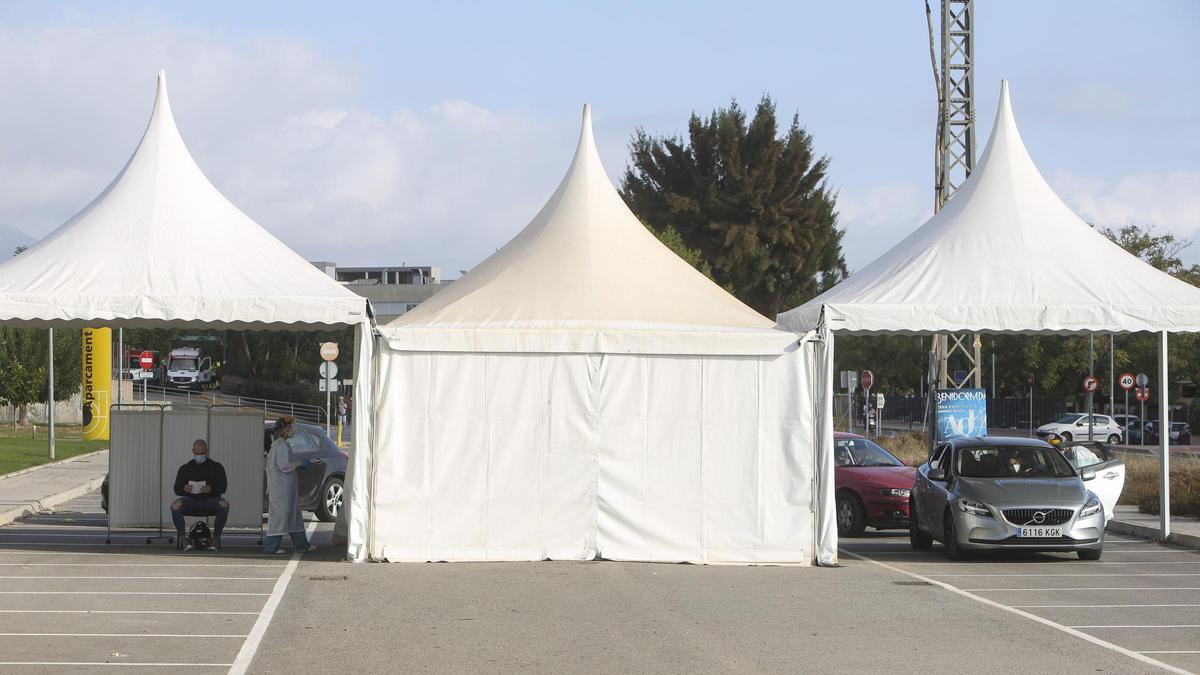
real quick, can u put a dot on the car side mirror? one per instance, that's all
(1088, 474)
(1079, 424)
(937, 474)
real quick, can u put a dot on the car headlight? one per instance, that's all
(896, 492)
(1091, 507)
(974, 508)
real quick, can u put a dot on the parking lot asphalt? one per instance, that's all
(1141, 600)
(69, 603)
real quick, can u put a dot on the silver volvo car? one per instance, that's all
(1004, 493)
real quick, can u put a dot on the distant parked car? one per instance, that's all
(1074, 426)
(1127, 421)
(872, 486)
(1180, 433)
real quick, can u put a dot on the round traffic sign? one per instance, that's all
(1090, 383)
(1142, 393)
(1126, 381)
(329, 370)
(867, 379)
(1142, 379)
(146, 360)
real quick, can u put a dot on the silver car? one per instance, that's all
(1004, 493)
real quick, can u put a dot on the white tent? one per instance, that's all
(162, 247)
(584, 392)
(1006, 255)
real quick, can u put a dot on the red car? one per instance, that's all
(871, 485)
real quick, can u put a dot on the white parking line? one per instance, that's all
(246, 654)
(1072, 574)
(120, 664)
(1173, 651)
(123, 593)
(1090, 588)
(1093, 606)
(151, 577)
(126, 635)
(1026, 563)
(1184, 625)
(118, 611)
(135, 565)
(1033, 617)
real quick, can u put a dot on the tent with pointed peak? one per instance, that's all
(162, 246)
(584, 392)
(1005, 255)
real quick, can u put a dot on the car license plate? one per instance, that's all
(1039, 532)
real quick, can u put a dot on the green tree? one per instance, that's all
(24, 361)
(754, 204)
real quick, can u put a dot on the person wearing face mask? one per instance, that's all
(283, 488)
(199, 485)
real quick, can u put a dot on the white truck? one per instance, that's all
(186, 369)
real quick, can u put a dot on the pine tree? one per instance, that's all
(755, 205)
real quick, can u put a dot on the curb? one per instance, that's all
(1153, 533)
(40, 505)
(31, 469)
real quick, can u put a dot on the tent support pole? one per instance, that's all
(50, 387)
(1164, 440)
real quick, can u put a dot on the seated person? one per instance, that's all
(199, 484)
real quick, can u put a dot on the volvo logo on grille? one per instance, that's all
(1039, 517)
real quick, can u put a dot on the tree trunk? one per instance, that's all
(23, 415)
(249, 358)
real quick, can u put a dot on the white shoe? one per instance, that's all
(189, 547)
(279, 551)
(310, 549)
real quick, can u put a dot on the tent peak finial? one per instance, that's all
(587, 116)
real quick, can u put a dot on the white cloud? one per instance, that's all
(279, 127)
(1170, 202)
(877, 217)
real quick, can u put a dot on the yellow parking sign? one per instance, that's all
(97, 382)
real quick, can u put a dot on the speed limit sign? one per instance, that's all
(1090, 384)
(1126, 381)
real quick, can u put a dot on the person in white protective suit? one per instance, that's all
(283, 488)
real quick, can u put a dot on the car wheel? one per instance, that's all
(1113, 439)
(1066, 436)
(916, 536)
(950, 538)
(331, 500)
(851, 516)
(1090, 554)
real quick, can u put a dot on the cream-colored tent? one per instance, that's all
(585, 392)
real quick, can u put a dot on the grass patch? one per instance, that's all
(909, 448)
(1141, 486)
(26, 446)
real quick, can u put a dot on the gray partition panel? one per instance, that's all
(236, 441)
(181, 428)
(133, 465)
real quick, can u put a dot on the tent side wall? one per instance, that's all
(508, 456)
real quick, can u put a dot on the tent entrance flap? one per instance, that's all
(575, 456)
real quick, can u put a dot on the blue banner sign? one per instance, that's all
(960, 412)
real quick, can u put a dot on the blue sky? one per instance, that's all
(430, 133)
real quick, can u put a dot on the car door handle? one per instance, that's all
(1111, 475)
(318, 460)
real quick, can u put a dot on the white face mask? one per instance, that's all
(1015, 468)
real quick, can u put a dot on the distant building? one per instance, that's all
(391, 290)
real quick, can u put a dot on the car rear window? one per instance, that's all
(1012, 461)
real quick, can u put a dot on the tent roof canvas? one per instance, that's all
(162, 245)
(1004, 255)
(585, 276)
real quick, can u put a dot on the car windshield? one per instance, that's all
(183, 364)
(1005, 461)
(861, 452)
(1068, 419)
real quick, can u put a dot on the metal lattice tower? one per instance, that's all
(956, 124)
(954, 161)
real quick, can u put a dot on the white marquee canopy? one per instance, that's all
(586, 276)
(585, 393)
(161, 245)
(1004, 255)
